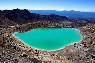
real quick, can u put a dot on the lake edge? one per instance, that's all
(48, 50)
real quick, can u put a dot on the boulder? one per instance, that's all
(1, 40)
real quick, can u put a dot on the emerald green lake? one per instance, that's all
(50, 39)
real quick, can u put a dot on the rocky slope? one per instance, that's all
(14, 51)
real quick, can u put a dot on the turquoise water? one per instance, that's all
(50, 39)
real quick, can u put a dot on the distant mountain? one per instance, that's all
(70, 14)
(24, 16)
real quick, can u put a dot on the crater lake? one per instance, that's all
(50, 39)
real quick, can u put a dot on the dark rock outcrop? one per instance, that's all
(24, 16)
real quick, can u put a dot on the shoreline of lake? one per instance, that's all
(43, 49)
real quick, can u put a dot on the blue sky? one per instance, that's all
(79, 5)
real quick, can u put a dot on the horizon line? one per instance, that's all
(48, 9)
